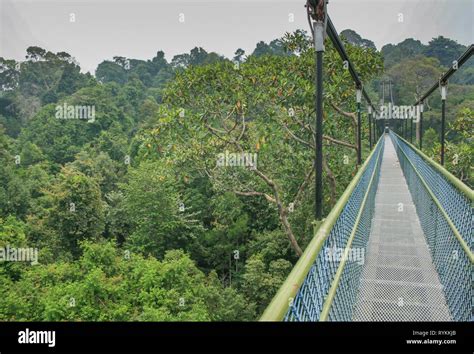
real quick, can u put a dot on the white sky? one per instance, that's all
(139, 28)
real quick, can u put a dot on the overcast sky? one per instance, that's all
(139, 28)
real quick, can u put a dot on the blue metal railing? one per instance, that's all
(445, 209)
(328, 289)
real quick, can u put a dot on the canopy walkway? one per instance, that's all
(397, 246)
(404, 227)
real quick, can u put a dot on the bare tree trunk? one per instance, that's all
(332, 182)
(289, 232)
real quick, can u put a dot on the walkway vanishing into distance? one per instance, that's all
(413, 223)
(399, 281)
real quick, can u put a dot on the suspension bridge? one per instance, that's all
(414, 221)
(410, 219)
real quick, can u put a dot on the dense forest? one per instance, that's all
(183, 190)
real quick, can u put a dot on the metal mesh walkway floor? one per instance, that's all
(399, 281)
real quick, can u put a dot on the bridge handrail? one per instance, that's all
(466, 190)
(446, 216)
(280, 303)
(463, 188)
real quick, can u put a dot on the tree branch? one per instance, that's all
(339, 142)
(297, 138)
(350, 115)
(253, 193)
(303, 185)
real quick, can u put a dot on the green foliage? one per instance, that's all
(417, 75)
(151, 73)
(254, 101)
(430, 138)
(12, 232)
(106, 284)
(134, 217)
(61, 139)
(407, 49)
(459, 151)
(152, 202)
(275, 47)
(77, 211)
(229, 233)
(444, 49)
(14, 192)
(261, 282)
(12, 235)
(355, 39)
(8, 74)
(108, 71)
(98, 166)
(50, 76)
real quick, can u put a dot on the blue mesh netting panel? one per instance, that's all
(309, 300)
(451, 261)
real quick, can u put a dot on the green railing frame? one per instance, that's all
(468, 192)
(280, 304)
(451, 178)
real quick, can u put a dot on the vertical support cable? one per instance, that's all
(391, 93)
(370, 125)
(319, 134)
(374, 119)
(359, 126)
(383, 102)
(421, 125)
(318, 158)
(383, 92)
(443, 119)
(406, 128)
(376, 128)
